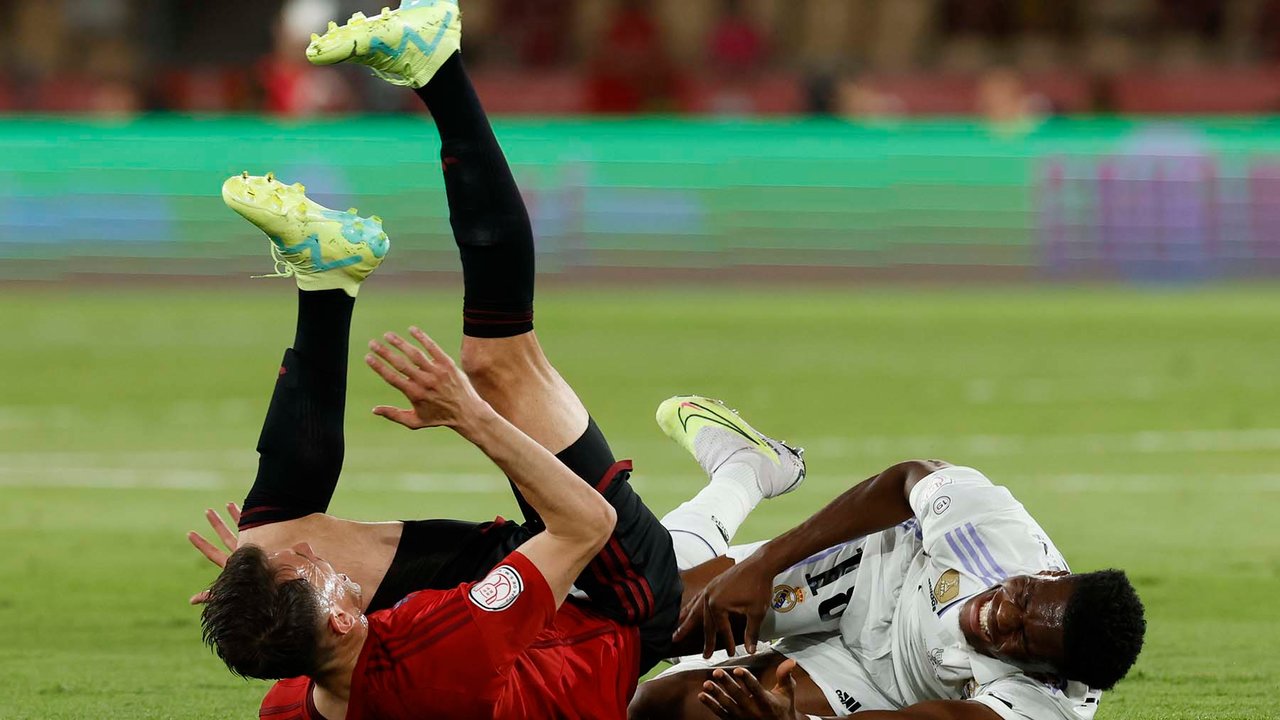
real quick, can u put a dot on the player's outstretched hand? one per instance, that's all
(216, 555)
(739, 696)
(440, 394)
(743, 590)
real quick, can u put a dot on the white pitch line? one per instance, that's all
(54, 477)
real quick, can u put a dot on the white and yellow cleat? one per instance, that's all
(714, 435)
(321, 248)
(405, 46)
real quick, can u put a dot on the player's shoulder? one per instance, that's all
(950, 493)
(974, 526)
(1020, 697)
(287, 700)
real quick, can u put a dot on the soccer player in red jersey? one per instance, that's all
(485, 637)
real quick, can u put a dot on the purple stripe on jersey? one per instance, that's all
(825, 553)
(973, 555)
(973, 533)
(964, 558)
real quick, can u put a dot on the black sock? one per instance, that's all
(490, 222)
(301, 446)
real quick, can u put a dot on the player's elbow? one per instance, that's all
(910, 472)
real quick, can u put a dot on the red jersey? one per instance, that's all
(491, 649)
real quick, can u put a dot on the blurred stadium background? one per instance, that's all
(1037, 236)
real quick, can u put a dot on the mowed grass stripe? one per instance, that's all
(1139, 427)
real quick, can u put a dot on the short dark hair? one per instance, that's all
(261, 627)
(1103, 629)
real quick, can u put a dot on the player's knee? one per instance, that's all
(674, 697)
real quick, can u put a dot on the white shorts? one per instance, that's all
(847, 687)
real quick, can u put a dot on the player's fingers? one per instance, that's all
(200, 598)
(416, 356)
(689, 614)
(713, 705)
(725, 631)
(752, 685)
(752, 632)
(407, 418)
(787, 680)
(731, 686)
(233, 510)
(208, 549)
(708, 632)
(392, 378)
(401, 363)
(717, 691)
(220, 529)
(432, 348)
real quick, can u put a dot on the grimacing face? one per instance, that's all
(1020, 621)
(301, 561)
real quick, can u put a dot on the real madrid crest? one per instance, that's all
(786, 597)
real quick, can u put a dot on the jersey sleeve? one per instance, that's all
(1019, 697)
(511, 606)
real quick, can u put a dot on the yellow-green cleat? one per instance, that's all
(405, 46)
(713, 434)
(321, 248)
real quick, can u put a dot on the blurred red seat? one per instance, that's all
(1198, 92)
(516, 92)
(206, 90)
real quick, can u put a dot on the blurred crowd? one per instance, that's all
(1010, 60)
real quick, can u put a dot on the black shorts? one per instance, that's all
(633, 580)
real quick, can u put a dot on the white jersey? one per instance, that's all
(875, 622)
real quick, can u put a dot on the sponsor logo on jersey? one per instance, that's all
(941, 504)
(720, 526)
(947, 588)
(847, 701)
(498, 590)
(786, 597)
(932, 487)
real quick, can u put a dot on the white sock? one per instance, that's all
(702, 528)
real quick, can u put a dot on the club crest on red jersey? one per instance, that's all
(498, 590)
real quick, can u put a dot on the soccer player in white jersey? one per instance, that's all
(924, 592)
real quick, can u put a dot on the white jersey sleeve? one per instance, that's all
(964, 517)
(1018, 697)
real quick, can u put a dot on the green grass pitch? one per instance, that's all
(1140, 427)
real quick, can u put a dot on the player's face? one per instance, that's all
(1020, 621)
(335, 587)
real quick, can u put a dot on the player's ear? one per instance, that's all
(342, 621)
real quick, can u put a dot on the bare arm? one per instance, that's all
(878, 503)
(875, 504)
(739, 696)
(578, 520)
